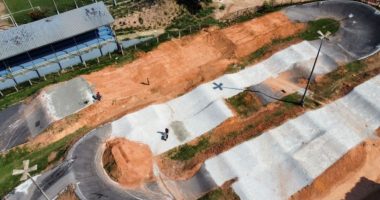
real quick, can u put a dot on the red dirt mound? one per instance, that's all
(129, 163)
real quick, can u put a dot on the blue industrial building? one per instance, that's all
(52, 44)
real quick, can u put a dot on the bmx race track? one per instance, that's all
(274, 165)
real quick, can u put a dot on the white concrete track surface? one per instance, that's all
(283, 160)
(204, 108)
(271, 166)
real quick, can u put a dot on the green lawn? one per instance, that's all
(22, 17)
(324, 25)
(186, 152)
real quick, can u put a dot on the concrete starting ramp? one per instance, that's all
(25, 120)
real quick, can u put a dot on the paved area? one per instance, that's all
(22, 121)
(84, 169)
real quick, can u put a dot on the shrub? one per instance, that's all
(37, 15)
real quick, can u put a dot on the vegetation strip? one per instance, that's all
(40, 156)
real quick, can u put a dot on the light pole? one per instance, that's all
(322, 37)
(26, 175)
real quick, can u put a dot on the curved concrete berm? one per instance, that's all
(360, 24)
(26, 120)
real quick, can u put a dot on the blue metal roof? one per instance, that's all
(29, 36)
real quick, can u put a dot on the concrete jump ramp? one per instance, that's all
(187, 117)
(204, 108)
(283, 160)
(358, 36)
(25, 120)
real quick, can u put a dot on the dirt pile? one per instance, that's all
(129, 163)
(355, 176)
(173, 69)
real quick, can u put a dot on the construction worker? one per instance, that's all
(97, 97)
(164, 135)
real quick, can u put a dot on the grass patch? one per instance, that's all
(186, 152)
(220, 194)
(25, 90)
(339, 81)
(234, 67)
(13, 159)
(258, 53)
(355, 66)
(213, 195)
(245, 103)
(324, 25)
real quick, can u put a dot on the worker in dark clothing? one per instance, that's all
(164, 135)
(97, 97)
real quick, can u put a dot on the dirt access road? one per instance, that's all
(174, 68)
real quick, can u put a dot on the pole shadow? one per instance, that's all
(221, 87)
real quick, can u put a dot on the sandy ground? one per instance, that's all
(233, 6)
(355, 176)
(157, 16)
(173, 69)
(133, 162)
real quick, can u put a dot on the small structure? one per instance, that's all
(52, 44)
